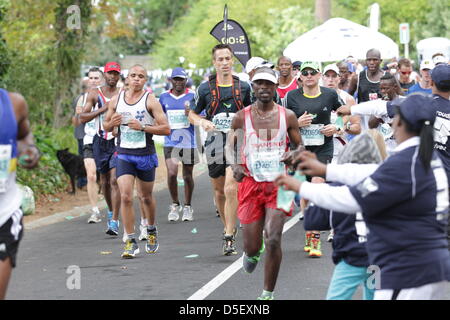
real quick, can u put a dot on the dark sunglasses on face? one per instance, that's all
(405, 72)
(305, 73)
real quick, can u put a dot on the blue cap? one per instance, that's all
(441, 75)
(179, 73)
(417, 109)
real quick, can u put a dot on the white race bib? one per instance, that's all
(132, 139)
(265, 165)
(5, 160)
(223, 122)
(177, 119)
(311, 135)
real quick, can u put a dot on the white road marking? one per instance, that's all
(226, 274)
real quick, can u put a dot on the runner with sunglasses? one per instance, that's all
(313, 104)
(405, 75)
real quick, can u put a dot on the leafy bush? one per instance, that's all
(49, 177)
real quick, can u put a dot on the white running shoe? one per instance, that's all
(143, 235)
(174, 212)
(188, 213)
(301, 215)
(95, 217)
(330, 236)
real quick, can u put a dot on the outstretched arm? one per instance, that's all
(27, 150)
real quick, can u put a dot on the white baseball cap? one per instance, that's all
(253, 63)
(426, 64)
(332, 67)
(440, 59)
(265, 73)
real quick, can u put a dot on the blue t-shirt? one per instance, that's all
(418, 88)
(349, 241)
(442, 130)
(182, 134)
(406, 211)
(8, 123)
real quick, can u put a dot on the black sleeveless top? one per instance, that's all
(367, 90)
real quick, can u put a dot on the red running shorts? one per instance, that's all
(254, 198)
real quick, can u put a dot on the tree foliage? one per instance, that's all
(190, 38)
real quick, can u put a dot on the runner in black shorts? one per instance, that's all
(14, 129)
(313, 104)
(180, 145)
(222, 96)
(104, 145)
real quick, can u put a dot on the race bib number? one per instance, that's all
(177, 119)
(5, 160)
(373, 96)
(312, 136)
(386, 131)
(266, 165)
(132, 139)
(223, 122)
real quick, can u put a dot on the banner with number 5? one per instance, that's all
(236, 37)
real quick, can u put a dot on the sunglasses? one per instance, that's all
(305, 73)
(405, 72)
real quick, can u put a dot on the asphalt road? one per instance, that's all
(51, 257)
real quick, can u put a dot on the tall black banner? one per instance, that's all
(235, 36)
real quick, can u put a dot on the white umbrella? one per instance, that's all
(337, 39)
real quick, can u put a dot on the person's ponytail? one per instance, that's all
(426, 144)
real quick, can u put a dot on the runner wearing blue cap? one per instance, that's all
(180, 145)
(404, 203)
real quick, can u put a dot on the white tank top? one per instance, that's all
(129, 138)
(262, 156)
(89, 127)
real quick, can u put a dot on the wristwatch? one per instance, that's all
(142, 127)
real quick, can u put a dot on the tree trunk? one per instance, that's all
(70, 39)
(323, 10)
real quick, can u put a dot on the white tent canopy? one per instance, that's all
(337, 39)
(427, 47)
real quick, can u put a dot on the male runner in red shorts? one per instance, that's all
(262, 129)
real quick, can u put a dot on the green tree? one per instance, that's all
(69, 47)
(437, 22)
(289, 22)
(189, 37)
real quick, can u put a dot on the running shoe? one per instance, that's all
(174, 212)
(113, 229)
(188, 213)
(152, 244)
(109, 217)
(315, 251)
(307, 246)
(249, 263)
(95, 217)
(229, 246)
(330, 236)
(131, 249)
(301, 215)
(144, 234)
(265, 297)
